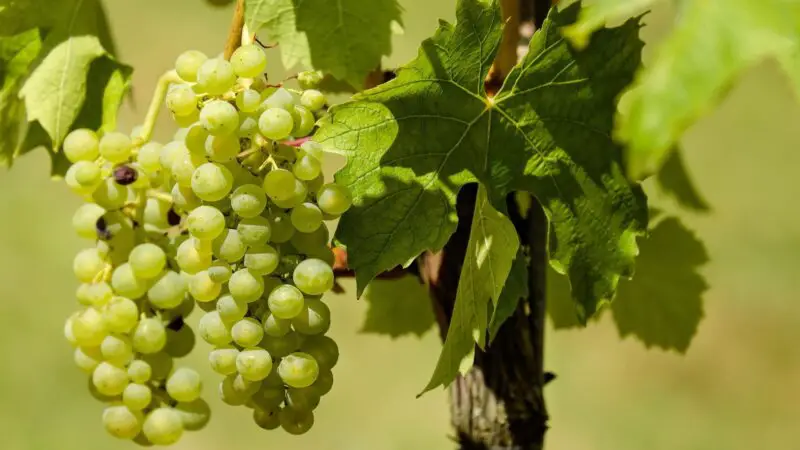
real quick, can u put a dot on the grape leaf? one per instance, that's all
(662, 305)
(674, 180)
(516, 287)
(345, 38)
(398, 308)
(594, 15)
(16, 55)
(413, 142)
(492, 247)
(712, 42)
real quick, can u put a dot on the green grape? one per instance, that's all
(188, 64)
(262, 259)
(179, 342)
(182, 100)
(298, 370)
(163, 426)
(139, 371)
(115, 147)
(334, 199)
(254, 231)
(110, 195)
(304, 121)
(323, 384)
(248, 201)
(279, 184)
(249, 61)
(160, 365)
(156, 213)
(267, 419)
(310, 79)
(312, 99)
(183, 198)
(117, 349)
(315, 318)
(203, 246)
(87, 358)
(311, 242)
(281, 346)
(195, 139)
(82, 294)
(126, 283)
(206, 222)
(313, 277)
(296, 421)
(97, 294)
(87, 174)
(185, 165)
(142, 179)
(219, 272)
(147, 260)
(120, 314)
(81, 145)
(149, 336)
(109, 379)
(72, 183)
(203, 288)
(306, 167)
(228, 246)
(88, 264)
(306, 218)
(247, 332)
(269, 397)
(275, 124)
(298, 197)
(149, 156)
(84, 221)
(254, 364)
(186, 121)
(216, 76)
(213, 330)
(190, 260)
(194, 415)
(323, 349)
(137, 396)
(248, 127)
(184, 385)
(273, 382)
(286, 301)
(169, 153)
(212, 182)
(235, 391)
(180, 134)
(302, 399)
(248, 100)
(121, 422)
(246, 286)
(68, 334)
(281, 227)
(231, 310)
(314, 186)
(219, 118)
(314, 149)
(223, 360)
(168, 291)
(274, 326)
(278, 98)
(223, 148)
(89, 329)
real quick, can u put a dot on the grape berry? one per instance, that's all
(229, 217)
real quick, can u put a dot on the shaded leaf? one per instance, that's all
(414, 141)
(16, 55)
(662, 305)
(674, 180)
(595, 14)
(712, 42)
(492, 247)
(345, 38)
(516, 288)
(398, 307)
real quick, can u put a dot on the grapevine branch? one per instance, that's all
(235, 33)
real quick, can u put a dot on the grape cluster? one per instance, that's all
(229, 216)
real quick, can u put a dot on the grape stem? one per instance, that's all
(152, 193)
(159, 95)
(235, 34)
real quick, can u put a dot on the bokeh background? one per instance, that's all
(737, 387)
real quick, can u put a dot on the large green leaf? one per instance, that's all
(414, 141)
(345, 38)
(595, 14)
(712, 42)
(492, 247)
(398, 308)
(662, 305)
(16, 55)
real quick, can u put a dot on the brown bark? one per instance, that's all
(234, 39)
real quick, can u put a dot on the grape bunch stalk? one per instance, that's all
(229, 216)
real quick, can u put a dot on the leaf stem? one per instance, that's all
(236, 30)
(159, 95)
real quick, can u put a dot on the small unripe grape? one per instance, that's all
(188, 63)
(81, 145)
(249, 61)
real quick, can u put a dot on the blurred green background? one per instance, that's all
(738, 387)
